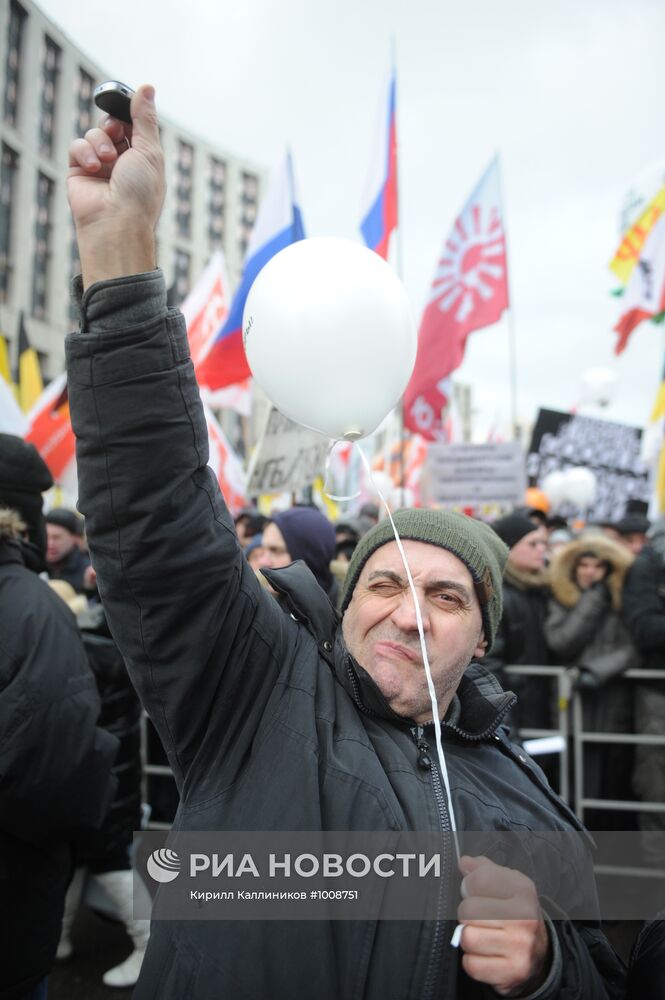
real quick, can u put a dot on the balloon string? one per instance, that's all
(430, 683)
(333, 496)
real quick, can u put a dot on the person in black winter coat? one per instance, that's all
(275, 717)
(55, 763)
(644, 612)
(104, 856)
(521, 636)
(646, 973)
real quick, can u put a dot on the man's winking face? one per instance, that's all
(381, 629)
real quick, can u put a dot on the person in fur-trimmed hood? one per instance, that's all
(584, 628)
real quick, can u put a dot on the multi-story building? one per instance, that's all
(46, 100)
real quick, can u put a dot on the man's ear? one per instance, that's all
(481, 648)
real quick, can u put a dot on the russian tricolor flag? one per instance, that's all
(380, 203)
(278, 224)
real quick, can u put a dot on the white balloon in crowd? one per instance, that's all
(553, 486)
(580, 486)
(575, 485)
(329, 336)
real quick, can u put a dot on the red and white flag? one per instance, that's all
(226, 465)
(50, 430)
(206, 307)
(469, 291)
(205, 310)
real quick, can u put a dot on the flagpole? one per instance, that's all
(510, 318)
(399, 262)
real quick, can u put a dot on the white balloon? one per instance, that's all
(553, 486)
(580, 486)
(329, 336)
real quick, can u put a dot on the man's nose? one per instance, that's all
(405, 617)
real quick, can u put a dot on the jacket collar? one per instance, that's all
(525, 581)
(482, 703)
(21, 553)
(11, 552)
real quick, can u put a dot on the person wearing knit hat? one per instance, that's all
(456, 564)
(521, 637)
(24, 477)
(471, 542)
(64, 558)
(632, 531)
(275, 716)
(301, 533)
(62, 517)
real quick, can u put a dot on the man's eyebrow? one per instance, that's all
(431, 586)
(395, 577)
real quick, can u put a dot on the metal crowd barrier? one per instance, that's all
(581, 737)
(564, 680)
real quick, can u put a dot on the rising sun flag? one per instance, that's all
(469, 292)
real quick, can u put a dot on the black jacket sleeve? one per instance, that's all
(55, 762)
(646, 977)
(202, 640)
(643, 605)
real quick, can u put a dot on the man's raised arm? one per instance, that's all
(184, 607)
(116, 191)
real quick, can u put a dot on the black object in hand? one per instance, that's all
(115, 99)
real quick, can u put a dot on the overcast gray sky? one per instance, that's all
(569, 93)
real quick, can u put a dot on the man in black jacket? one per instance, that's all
(55, 763)
(273, 717)
(644, 612)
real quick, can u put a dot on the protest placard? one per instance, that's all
(612, 451)
(287, 457)
(461, 474)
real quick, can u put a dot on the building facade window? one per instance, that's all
(216, 202)
(17, 18)
(42, 254)
(50, 74)
(181, 276)
(184, 188)
(249, 197)
(83, 109)
(8, 175)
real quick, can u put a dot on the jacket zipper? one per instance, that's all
(437, 956)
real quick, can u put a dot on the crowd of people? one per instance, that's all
(280, 661)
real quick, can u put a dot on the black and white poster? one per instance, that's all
(611, 451)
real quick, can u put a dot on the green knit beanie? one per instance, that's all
(474, 543)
